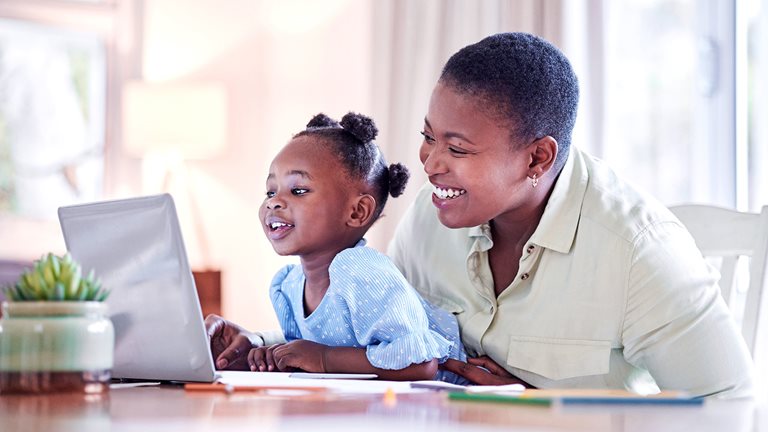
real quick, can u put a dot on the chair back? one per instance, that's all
(731, 235)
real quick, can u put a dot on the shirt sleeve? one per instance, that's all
(269, 337)
(397, 250)
(677, 325)
(412, 236)
(282, 309)
(386, 313)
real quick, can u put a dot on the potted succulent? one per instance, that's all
(54, 334)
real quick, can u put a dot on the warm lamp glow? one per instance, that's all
(184, 120)
(166, 124)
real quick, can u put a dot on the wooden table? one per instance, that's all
(170, 408)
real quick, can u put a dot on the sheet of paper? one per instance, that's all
(497, 389)
(347, 386)
(437, 385)
(115, 386)
(308, 375)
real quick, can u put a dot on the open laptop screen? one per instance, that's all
(135, 246)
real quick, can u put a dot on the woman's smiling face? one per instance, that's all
(476, 170)
(308, 195)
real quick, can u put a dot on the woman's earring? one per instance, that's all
(534, 180)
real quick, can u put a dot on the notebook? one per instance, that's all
(136, 248)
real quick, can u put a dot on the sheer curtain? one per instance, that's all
(412, 41)
(670, 95)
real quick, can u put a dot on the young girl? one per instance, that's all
(346, 308)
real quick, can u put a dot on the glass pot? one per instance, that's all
(55, 346)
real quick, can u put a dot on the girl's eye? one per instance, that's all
(427, 137)
(299, 191)
(270, 194)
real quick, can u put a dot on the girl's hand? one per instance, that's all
(262, 359)
(483, 371)
(300, 354)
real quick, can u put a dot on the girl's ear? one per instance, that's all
(543, 153)
(362, 211)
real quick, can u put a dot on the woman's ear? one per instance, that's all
(543, 153)
(363, 208)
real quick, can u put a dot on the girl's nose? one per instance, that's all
(275, 203)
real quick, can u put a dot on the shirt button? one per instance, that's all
(530, 248)
(524, 276)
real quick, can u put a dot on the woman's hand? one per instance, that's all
(230, 343)
(483, 371)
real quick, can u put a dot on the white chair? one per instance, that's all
(730, 234)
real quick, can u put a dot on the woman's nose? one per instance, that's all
(431, 157)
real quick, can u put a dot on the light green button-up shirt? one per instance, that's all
(611, 292)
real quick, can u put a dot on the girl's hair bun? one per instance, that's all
(321, 120)
(360, 126)
(398, 179)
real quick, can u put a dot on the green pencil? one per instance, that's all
(486, 397)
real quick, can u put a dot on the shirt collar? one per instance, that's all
(557, 228)
(482, 236)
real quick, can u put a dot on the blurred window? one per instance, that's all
(52, 117)
(682, 101)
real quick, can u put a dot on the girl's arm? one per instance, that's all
(314, 357)
(354, 360)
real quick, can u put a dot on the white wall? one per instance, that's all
(281, 62)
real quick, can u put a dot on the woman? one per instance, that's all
(560, 274)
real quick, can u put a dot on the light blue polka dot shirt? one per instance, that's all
(369, 304)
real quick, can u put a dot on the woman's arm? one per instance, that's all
(483, 371)
(314, 357)
(677, 325)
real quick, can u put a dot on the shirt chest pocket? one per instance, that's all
(558, 359)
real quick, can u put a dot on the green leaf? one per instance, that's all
(55, 278)
(103, 295)
(56, 266)
(19, 293)
(82, 291)
(75, 282)
(8, 292)
(58, 291)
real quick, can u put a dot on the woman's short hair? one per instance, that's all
(525, 81)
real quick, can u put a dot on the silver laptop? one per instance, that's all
(135, 246)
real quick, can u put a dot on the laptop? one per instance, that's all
(136, 248)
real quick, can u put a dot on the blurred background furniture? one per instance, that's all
(9, 273)
(208, 283)
(732, 236)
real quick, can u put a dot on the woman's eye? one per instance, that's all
(457, 151)
(270, 194)
(427, 137)
(299, 191)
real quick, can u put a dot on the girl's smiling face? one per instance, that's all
(477, 172)
(308, 197)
